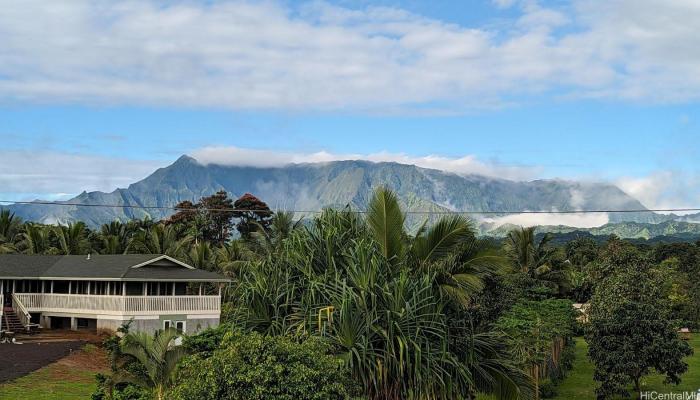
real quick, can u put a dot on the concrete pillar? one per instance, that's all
(73, 323)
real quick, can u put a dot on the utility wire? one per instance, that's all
(437, 212)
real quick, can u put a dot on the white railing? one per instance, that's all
(134, 305)
(22, 313)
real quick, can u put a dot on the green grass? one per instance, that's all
(72, 377)
(579, 383)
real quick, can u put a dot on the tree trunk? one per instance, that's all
(637, 388)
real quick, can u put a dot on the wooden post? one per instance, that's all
(173, 288)
(69, 287)
(123, 288)
(51, 286)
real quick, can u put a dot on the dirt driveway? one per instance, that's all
(17, 360)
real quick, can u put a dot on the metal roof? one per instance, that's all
(122, 267)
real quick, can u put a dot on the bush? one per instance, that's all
(253, 366)
(123, 391)
(205, 342)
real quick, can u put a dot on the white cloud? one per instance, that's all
(317, 56)
(663, 189)
(574, 220)
(226, 155)
(49, 175)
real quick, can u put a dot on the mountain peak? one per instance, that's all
(185, 159)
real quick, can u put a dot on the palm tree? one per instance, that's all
(158, 239)
(232, 257)
(159, 356)
(449, 248)
(536, 259)
(115, 237)
(200, 256)
(268, 240)
(382, 297)
(34, 239)
(10, 226)
(9, 223)
(527, 255)
(72, 239)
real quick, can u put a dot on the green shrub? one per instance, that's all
(205, 342)
(253, 366)
(122, 391)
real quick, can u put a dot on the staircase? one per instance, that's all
(10, 321)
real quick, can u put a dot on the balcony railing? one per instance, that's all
(124, 305)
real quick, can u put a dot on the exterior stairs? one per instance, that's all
(10, 321)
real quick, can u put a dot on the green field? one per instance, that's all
(579, 383)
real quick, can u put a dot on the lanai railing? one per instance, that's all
(124, 305)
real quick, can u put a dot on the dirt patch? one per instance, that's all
(20, 359)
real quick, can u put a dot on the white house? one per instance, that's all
(101, 292)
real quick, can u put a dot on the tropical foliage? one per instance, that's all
(253, 366)
(361, 306)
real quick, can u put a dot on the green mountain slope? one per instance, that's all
(335, 184)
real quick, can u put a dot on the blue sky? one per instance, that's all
(510, 88)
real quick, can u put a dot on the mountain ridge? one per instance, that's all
(312, 186)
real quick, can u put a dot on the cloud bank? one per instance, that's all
(52, 175)
(318, 56)
(575, 220)
(664, 189)
(469, 164)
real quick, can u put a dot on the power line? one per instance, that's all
(436, 212)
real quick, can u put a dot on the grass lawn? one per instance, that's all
(579, 383)
(72, 377)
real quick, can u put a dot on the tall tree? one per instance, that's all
(210, 219)
(253, 215)
(631, 330)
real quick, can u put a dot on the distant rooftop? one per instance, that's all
(123, 267)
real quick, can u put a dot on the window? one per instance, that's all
(167, 324)
(180, 326)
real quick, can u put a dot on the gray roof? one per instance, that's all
(123, 267)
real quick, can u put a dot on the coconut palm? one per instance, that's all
(115, 237)
(34, 239)
(528, 255)
(72, 238)
(158, 239)
(268, 240)
(200, 256)
(158, 354)
(233, 257)
(10, 226)
(537, 259)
